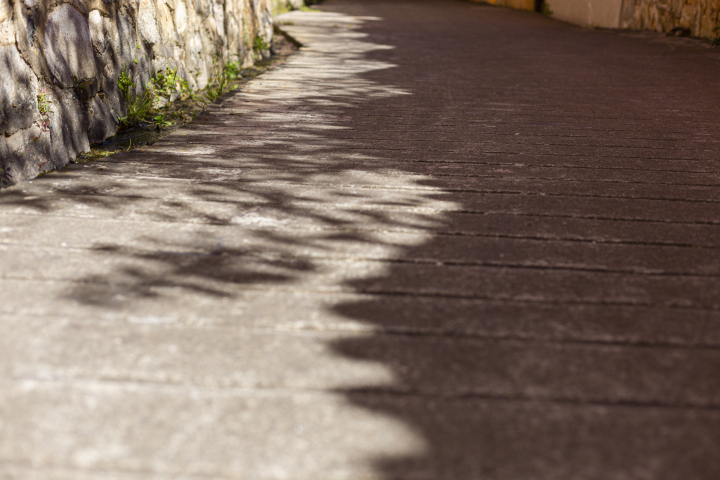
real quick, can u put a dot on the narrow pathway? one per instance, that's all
(442, 241)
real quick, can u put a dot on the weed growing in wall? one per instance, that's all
(152, 105)
(44, 103)
(259, 46)
(232, 70)
(44, 106)
(218, 84)
(139, 107)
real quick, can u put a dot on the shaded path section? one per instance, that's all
(563, 323)
(443, 241)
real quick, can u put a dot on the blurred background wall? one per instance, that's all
(698, 18)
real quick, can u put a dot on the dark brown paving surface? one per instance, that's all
(568, 320)
(444, 241)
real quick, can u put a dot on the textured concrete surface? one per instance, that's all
(443, 241)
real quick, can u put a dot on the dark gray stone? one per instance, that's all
(28, 151)
(68, 46)
(18, 91)
(69, 128)
(103, 121)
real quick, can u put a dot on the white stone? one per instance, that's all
(7, 32)
(97, 30)
(181, 17)
(6, 10)
(147, 26)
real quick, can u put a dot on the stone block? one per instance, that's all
(700, 17)
(124, 41)
(181, 17)
(7, 32)
(18, 91)
(99, 31)
(6, 10)
(68, 125)
(68, 46)
(146, 23)
(28, 152)
(103, 121)
(3, 154)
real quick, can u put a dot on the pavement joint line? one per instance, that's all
(234, 289)
(548, 239)
(46, 466)
(274, 392)
(514, 153)
(569, 239)
(434, 189)
(299, 126)
(449, 162)
(250, 186)
(392, 172)
(591, 217)
(456, 142)
(522, 299)
(300, 132)
(354, 209)
(213, 252)
(252, 182)
(329, 330)
(513, 178)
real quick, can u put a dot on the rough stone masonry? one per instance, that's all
(70, 53)
(698, 17)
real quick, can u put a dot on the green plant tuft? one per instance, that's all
(152, 105)
(81, 84)
(232, 70)
(95, 154)
(160, 120)
(139, 107)
(44, 103)
(260, 45)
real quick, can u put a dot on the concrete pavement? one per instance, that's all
(443, 241)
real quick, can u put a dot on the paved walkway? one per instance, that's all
(443, 241)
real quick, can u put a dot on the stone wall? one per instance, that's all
(517, 4)
(588, 13)
(698, 18)
(72, 52)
